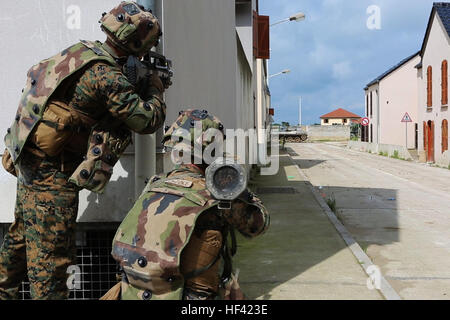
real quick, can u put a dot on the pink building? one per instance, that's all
(388, 98)
(433, 87)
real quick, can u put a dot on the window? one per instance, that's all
(444, 135)
(367, 105)
(371, 133)
(429, 87)
(345, 120)
(371, 109)
(444, 83)
(326, 121)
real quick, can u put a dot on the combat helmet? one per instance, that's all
(188, 120)
(131, 28)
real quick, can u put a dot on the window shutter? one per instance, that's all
(432, 141)
(444, 135)
(429, 87)
(263, 37)
(444, 83)
(425, 136)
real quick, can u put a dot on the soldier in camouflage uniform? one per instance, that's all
(170, 243)
(77, 100)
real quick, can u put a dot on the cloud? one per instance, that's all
(342, 70)
(333, 55)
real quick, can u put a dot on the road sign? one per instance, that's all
(406, 118)
(365, 121)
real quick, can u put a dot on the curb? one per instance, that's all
(385, 288)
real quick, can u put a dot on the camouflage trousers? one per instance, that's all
(40, 243)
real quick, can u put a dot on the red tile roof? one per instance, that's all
(340, 113)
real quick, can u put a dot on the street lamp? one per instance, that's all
(279, 73)
(296, 17)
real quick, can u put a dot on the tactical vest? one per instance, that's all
(43, 80)
(150, 240)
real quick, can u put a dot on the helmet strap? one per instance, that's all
(114, 50)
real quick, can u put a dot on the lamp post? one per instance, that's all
(280, 73)
(296, 17)
(300, 16)
(262, 114)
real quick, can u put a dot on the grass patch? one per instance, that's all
(331, 202)
(384, 154)
(395, 155)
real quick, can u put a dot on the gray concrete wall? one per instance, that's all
(332, 133)
(375, 148)
(443, 159)
(200, 36)
(35, 30)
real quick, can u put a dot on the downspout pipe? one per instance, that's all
(145, 145)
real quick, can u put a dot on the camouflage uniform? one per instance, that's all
(88, 78)
(161, 234)
(169, 245)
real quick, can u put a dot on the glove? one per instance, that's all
(156, 82)
(167, 82)
(149, 87)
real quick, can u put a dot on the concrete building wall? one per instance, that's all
(437, 50)
(383, 149)
(332, 133)
(35, 30)
(200, 37)
(398, 95)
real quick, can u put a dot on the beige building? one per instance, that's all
(339, 117)
(434, 113)
(388, 98)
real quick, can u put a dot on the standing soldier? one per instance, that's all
(170, 244)
(75, 101)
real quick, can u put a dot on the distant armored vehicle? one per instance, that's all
(294, 136)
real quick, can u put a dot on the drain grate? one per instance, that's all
(276, 190)
(98, 268)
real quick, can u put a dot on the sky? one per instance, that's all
(333, 54)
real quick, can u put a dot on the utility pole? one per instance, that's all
(300, 111)
(145, 145)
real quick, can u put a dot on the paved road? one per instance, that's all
(398, 211)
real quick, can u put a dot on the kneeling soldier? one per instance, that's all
(171, 243)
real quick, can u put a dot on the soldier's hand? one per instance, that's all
(167, 82)
(157, 83)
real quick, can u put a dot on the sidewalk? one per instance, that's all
(301, 256)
